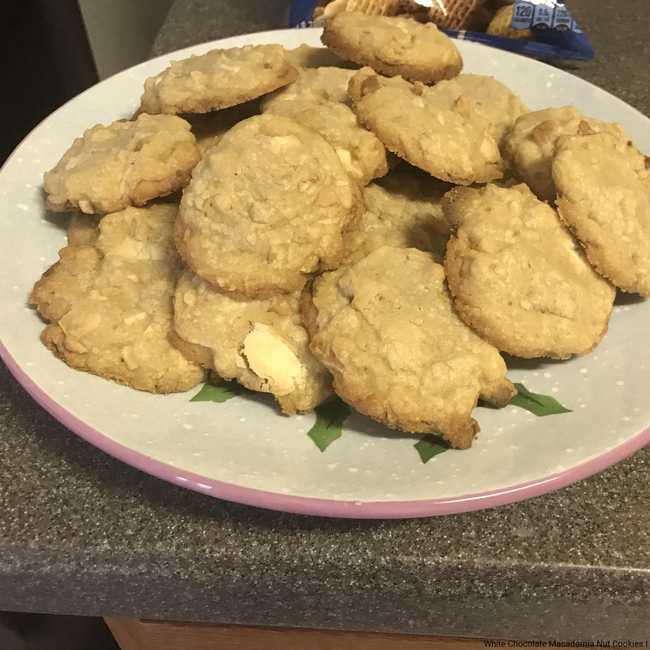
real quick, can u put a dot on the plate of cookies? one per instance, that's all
(395, 276)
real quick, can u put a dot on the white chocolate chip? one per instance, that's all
(135, 318)
(271, 359)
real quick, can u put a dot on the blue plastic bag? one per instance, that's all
(556, 33)
(301, 13)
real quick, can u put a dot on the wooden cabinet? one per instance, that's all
(134, 634)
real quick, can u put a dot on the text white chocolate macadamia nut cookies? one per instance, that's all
(266, 207)
(218, 79)
(109, 303)
(386, 329)
(125, 163)
(603, 186)
(260, 343)
(518, 278)
(394, 46)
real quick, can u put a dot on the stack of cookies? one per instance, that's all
(352, 221)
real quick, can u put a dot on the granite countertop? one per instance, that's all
(82, 533)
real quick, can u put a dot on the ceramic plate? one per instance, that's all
(242, 449)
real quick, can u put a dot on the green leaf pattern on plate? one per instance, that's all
(331, 415)
(537, 403)
(328, 427)
(430, 446)
(217, 390)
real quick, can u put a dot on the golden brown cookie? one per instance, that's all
(386, 330)
(125, 163)
(361, 153)
(83, 230)
(394, 46)
(488, 98)
(327, 83)
(482, 95)
(402, 210)
(218, 79)
(306, 56)
(208, 128)
(109, 303)
(603, 186)
(518, 278)
(433, 128)
(530, 145)
(317, 101)
(260, 343)
(266, 207)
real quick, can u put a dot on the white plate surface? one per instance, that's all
(243, 449)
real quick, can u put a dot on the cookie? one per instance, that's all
(83, 230)
(518, 278)
(486, 97)
(266, 208)
(480, 96)
(394, 46)
(123, 164)
(328, 83)
(218, 79)
(432, 128)
(208, 128)
(402, 210)
(367, 80)
(260, 343)
(603, 186)
(386, 330)
(109, 304)
(361, 153)
(306, 56)
(315, 102)
(530, 145)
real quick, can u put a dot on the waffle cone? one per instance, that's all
(372, 7)
(459, 14)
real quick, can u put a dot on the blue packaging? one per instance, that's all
(556, 35)
(301, 13)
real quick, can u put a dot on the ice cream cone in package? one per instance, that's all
(372, 7)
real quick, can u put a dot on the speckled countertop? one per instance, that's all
(82, 533)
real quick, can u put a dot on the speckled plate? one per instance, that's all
(243, 450)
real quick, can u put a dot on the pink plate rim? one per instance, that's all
(314, 506)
